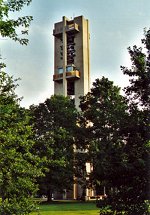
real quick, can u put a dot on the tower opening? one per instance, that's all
(70, 88)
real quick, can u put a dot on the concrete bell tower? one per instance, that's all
(72, 68)
(71, 58)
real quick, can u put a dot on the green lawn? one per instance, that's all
(68, 208)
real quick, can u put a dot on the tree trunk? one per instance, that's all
(49, 195)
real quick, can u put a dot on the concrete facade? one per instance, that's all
(71, 58)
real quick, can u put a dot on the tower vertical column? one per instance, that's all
(64, 56)
(88, 50)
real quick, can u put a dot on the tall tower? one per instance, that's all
(72, 66)
(71, 58)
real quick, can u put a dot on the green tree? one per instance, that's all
(19, 167)
(54, 125)
(103, 113)
(139, 89)
(10, 27)
(137, 130)
(119, 136)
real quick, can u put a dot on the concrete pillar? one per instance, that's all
(64, 56)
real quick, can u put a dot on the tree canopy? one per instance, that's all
(118, 129)
(104, 109)
(12, 28)
(54, 126)
(139, 74)
(19, 166)
(137, 129)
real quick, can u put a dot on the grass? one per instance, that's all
(68, 208)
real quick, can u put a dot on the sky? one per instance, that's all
(114, 26)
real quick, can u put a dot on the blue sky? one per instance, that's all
(114, 26)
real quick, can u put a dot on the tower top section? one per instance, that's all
(71, 57)
(71, 26)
